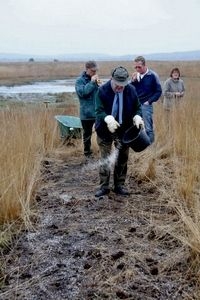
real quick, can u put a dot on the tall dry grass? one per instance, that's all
(26, 135)
(176, 157)
(187, 162)
(178, 132)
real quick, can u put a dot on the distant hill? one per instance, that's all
(187, 55)
(167, 56)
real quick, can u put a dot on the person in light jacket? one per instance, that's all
(173, 89)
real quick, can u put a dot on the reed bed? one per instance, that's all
(176, 158)
(16, 73)
(26, 134)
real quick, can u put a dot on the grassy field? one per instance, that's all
(15, 73)
(29, 134)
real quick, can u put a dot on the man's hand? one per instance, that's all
(177, 95)
(95, 78)
(111, 123)
(134, 76)
(138, 122)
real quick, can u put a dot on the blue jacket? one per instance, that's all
(148, 88)
(103, 107)
(86, 90)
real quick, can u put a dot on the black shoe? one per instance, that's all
(88, 154)
(101, 192)
(120, 190)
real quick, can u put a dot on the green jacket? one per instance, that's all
(86, 90)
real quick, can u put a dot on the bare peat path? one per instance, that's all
(86, 248)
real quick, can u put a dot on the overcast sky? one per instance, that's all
(114, 27)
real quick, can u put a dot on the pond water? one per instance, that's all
(39, 91)
(48, 87)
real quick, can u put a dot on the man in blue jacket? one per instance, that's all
(149, 90)
(86, 87)
(117, 108)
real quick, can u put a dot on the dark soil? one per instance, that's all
(81, 247)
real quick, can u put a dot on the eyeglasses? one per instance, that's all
(93, 70)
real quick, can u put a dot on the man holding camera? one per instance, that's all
(86, 87)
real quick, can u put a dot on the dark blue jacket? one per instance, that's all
(86, 90)
(103, 107)
(148, 88)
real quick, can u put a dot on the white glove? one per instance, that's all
(111, 123)
(138, 122)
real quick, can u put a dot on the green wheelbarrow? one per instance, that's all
(70, 127)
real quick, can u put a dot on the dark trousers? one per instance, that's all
(119, 158)
(87, 134)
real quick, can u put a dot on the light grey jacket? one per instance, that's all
(170, 88)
